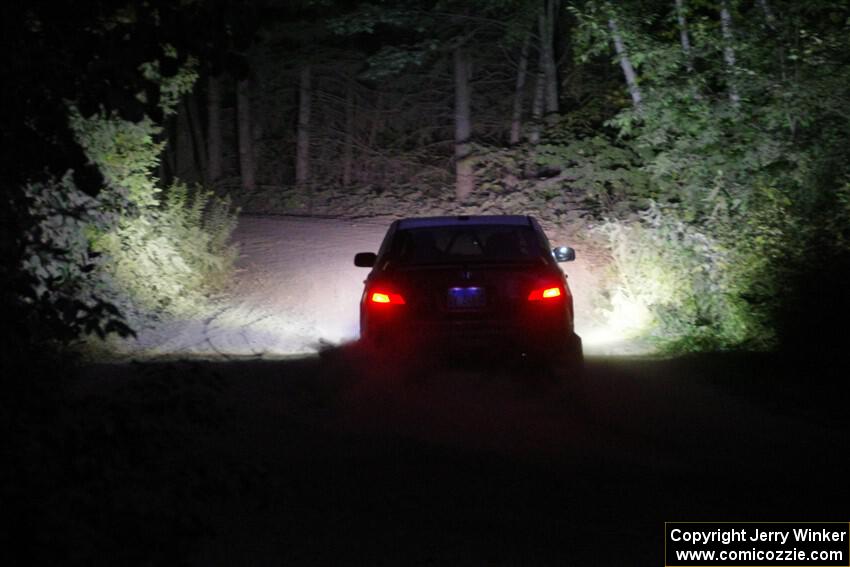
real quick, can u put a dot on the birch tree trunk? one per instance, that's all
(302, 142)
(683, 35)
(729, 51)
(537, 108)
(546, 26)
(245, 134)
(214, 128)
(522, 71)
(464, 179)
(348, 147)
(625, 64)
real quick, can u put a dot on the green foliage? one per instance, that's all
(427, 29)
(163, 254)
(369, 16)
(649, 289)
(94, 261)
(576, 156)
(392, 60)
(89, 270)
(751, 192)
(125, 152)
(608, 174)
(733, 280)
(668, 281)
(168, 259)
(172, 88)
(91, 87)
(591, 36)
(63, 281)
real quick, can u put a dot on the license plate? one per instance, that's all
(466, 297)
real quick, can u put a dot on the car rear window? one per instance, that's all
(484, 243)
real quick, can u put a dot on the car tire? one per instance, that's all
(573, 359)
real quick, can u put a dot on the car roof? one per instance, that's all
(464, 220)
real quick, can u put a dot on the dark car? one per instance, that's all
(469, 284)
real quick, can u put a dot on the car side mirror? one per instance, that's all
(564, 254)
(365, 259)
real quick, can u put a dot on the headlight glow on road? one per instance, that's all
(615, 334)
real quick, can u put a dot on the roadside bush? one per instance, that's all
(165, 250)
(124, 152)
(166, 260)
(62, 280)
(666, 281)
(691, 286)
(88, 257)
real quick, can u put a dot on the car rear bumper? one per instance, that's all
(476, 338)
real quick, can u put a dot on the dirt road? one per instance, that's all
(296, 288)
(325, 460)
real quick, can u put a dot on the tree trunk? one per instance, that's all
(184, 155)
(546, 29)
(302, 148)
(625, 64)
(198, 141)
(214, 129)
(522, 71)
(246, 138)
(729, 51)
(768, 13)
(683, 35)
(377, 121)
(169, 157)
(464, 177)
(348, 147)
(537, 108)
(161, 171)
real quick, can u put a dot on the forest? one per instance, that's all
(698, 145)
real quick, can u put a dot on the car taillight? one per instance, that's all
(545, 293)
(386, 298)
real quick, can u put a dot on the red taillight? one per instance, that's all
(545, 293)
(386, 298)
